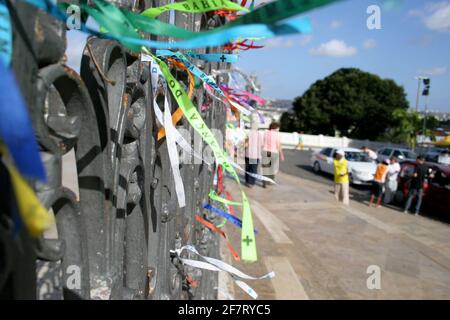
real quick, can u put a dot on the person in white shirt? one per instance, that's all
(444, 158)
(372, 154)
(391, 180)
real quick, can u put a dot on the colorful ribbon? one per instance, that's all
(213, 196)
(220, 266)
(233, 219)
(194, 6)
(5, 34)
(248, 248)
(210, 226)
(122, 25)
(203, 77)
(16, 130)
(34, 216)
(215, 57)
(243, 93)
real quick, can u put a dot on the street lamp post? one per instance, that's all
(418, 93)
(426, 93)
(419, 80)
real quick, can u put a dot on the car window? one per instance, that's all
(387, 152)
(358, 157)
(409, 154)
(407, 171)
(431, 158)
(326, 152)
(441, 179)
(397, 153)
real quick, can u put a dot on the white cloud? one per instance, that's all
(435, 16)
(434, 72)
(369, 44)
(334, 48)
(439, 20)
(335, 24)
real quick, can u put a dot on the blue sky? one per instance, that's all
(414, 40)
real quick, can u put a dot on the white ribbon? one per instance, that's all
(218, 265)
(172, 134)
(254, 175)
(173, 154)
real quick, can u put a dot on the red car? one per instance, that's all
(436, 189)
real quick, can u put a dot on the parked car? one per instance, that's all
(436, 196)
(387, 153)
(361, 167)
(433, 155)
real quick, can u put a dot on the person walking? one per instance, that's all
(372, 154)
(253, 151)
(341, 179)
(391, 180)
(416, 186)
(379, 180)
(272, 152)
(300, 143)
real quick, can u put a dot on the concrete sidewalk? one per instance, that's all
(322, 250)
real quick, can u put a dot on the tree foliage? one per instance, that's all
(409, 125)
(354, 103)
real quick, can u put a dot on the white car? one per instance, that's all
(361, 168)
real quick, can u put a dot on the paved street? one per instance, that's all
(322, 250)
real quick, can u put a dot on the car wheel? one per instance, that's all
(316, 167)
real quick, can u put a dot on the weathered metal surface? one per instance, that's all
(120, 231)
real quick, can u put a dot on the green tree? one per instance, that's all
(407, 129)
(288, 122)
(358, 104)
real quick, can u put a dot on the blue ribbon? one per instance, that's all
(5, 34)
(299, 25)
(15, 128)
(215, 57)
(192, 68)
(233, 219)
(294, 26)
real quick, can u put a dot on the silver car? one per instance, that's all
(403, 154)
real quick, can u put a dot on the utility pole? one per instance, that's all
(424, 128)
(426, 93)
(418, 92)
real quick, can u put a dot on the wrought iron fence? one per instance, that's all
(118, 234)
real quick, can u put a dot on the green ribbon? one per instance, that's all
(278, 10)
(194, 6)
(113, 19)
(214, 196)
(248, 242)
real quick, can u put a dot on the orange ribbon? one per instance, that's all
(209, 225)
(178, 114)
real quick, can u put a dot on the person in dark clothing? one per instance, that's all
(416, 187)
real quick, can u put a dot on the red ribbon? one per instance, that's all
(220, 184)
(241, 45)
(230, 207)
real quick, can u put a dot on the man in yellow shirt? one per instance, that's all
(341, 180)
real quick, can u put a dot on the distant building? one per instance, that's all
(273, 110)
(441, 116)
